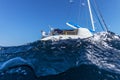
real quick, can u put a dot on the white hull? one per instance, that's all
(82, 33)
(62, 37)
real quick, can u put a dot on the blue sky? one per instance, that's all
(22, 20)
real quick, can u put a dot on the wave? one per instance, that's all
(59, 58)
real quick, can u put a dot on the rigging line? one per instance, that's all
(68, 12)
(99, 20)
(79, 11)
(82, 12)
(70, 9)
(105, 26)
(98, 16)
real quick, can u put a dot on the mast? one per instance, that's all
(91, 15)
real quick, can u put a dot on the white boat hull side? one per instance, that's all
(82, 33)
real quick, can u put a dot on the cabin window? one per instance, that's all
(70, 32)
(64, 32)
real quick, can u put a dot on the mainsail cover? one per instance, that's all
(74, 26)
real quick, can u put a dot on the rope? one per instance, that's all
(98, 17)
(99, 13)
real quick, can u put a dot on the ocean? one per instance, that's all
(94, 58)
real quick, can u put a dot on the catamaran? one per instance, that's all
(77, 32)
